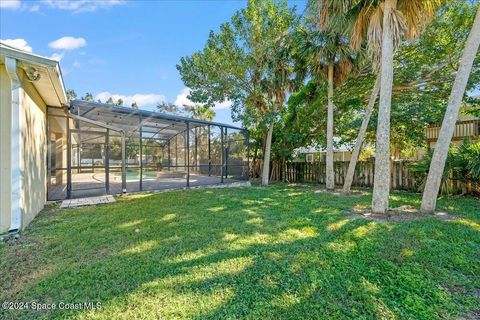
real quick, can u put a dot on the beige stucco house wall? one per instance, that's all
(28, 83)
(34, 148)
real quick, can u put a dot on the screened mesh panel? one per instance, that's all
(96, 149)
(57, 155)
(202, 167)
(236, 155)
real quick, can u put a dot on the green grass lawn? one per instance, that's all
(278, 253)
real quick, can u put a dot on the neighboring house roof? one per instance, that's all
(49, 83)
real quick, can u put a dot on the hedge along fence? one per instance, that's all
(401, 177)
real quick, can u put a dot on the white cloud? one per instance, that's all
(68, 43)
(182, 100)
(223, 105)
(34, 8)
(57, 56)
(10, 4)
(142, 100)
(78, 6)
(18, 43)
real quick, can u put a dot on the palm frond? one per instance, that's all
(398, 25)
(360, 27)
(366, 22)
(375, 35)
(417, 14)
(342, 71)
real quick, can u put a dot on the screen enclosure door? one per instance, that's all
(89, 163)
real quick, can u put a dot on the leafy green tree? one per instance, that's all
(238, 64)
(119, 102)
(303, 120)
(110, 101)
(134, 105)
(88, 97)
(71, 95)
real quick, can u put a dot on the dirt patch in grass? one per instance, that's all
(401, 214)
(11, 239)
(318, 188)
(339, 192)
(471, 316)
(299, 185)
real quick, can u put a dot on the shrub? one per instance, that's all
(462, 164)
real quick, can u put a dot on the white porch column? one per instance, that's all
(16, 147)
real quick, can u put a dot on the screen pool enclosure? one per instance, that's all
(96, 148)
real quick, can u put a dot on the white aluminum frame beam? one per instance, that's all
(16, 169)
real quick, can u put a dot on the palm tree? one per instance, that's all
(202, 112)
(437, 165)
(360, 137)
(382, 24)
(330, 57)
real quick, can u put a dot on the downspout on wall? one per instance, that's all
(17, 169)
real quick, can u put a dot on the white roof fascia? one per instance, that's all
(52, 66)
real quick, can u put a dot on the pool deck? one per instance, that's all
(92, 185)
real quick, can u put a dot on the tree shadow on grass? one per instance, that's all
(273, 253)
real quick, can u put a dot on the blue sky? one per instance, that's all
(125, 48)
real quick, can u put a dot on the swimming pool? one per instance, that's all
(135, 176)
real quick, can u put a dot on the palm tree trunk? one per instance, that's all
(381, 181)
(361, 136)
(266, 156)
(440, 153)
(330, 179)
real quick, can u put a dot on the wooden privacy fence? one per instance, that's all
(401, 177)
(315, 172)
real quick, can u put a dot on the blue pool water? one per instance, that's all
(134, 176)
